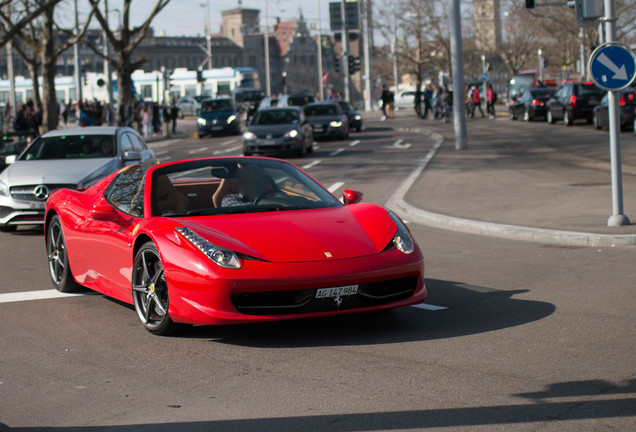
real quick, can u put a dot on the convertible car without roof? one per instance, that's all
(229, 240)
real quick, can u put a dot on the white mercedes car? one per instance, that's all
(66, 158)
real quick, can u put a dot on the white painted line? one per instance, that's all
(429, 307)
(165, 143)
(227, 150)
(162, 153)
(34, 295)
(199, 150)
(336, 152)
(227, 143)
(354, 143)
(311, 164)
(334, 187)
(397, 143)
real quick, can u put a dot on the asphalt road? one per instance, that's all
(517, 336)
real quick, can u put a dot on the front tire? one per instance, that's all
(527, 116)
(512, 115)
(57, 253)
(150, 291)
(567, 118)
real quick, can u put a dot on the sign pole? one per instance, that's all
(617, 218)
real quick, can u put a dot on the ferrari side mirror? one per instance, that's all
(350, 196)
(105, 213)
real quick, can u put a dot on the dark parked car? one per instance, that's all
(573, 101)
(278, 130)
(627, 105)
(327, 120)
(531, 104)
(296, 99)
(218, 116)
(355, 118)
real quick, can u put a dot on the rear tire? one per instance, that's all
(57, 253)
(567, 118)
(550, 118)
(527, 116)
(512, 115)
(597, 125)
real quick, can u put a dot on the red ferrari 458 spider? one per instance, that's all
(230, 240)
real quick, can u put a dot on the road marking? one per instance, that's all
(311, 164)
(334, 187)
(162, 153)
(429, 307)
(354, 143)
(227, 150)
(398, 145)
(34, 295)
(336, 152)
(199, 150)
(228, 142)
(164, 143)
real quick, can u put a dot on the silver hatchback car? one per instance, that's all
(66, 158)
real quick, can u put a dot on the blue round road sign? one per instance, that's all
(484, 77)
(612, 66)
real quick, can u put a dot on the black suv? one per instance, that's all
(572, 101)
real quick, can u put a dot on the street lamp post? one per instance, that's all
(345, 51)
(320, 85)
(208, 36)
(77, 71)
(268, 86)
(394, 49)
(540, 57)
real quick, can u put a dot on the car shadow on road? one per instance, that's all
(602, 400)
(470, 310)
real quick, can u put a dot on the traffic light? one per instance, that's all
(199, 75)
(351, 62)
(357, 64)
(545, 62)
(336, 63)
(529, 4)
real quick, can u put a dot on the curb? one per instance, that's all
(506, 231)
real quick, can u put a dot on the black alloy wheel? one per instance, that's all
(57, 255)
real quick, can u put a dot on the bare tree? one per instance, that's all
(523, 36)
(42, 42)
(20, 18)
(124, 41)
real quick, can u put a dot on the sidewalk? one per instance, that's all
(541, 183)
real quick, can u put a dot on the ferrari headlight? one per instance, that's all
(291, 134)
(223, 257)
(249, 135)
(231, 118)
(402, 239)
(335, 123)
(202, 121)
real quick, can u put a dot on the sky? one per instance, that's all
(186, 17)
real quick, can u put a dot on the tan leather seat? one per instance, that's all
(227, 186)
(168, 197)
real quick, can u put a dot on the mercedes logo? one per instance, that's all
(41, 192)
(269, 136)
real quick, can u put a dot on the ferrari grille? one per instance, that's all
(304, 301)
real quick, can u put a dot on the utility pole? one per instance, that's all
(78, 66)
(366, 39)
(540, 66)
(109, 78)
(484, 87)
(457, 66)
(208, 36)
(582, 54)
(12, 98)
(320, 85)
(394, 49)
(345, 51)
(268, 86)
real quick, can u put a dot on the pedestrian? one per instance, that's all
(391, 108)
(174, 113)
(436, 102)
(427, 101)
(165, 111)
(385, 97)
(491, 99)
(476, 101)
(156, 118)
(417, 102)
(146, 121)
(21, 123)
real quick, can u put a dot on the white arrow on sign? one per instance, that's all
(619, 73)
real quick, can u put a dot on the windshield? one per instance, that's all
(275, 117)
(249, 96)
(545, 93)
(234, 185)
(588, 89)
(300, 100)
(216, 105)
(72, 147)
(321, 110)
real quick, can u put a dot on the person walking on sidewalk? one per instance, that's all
(146, 121)
(385, 97)
(417, 102)
(491, 98)
(476, 102)
(174, 113)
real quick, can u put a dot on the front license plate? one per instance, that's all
(268, 142)
(337, 291)
(217, 127)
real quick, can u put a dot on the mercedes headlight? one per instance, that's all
(358, 117)
(291, 134)
(223, 257)
(335, 124)
(249, 135)
(4, 189)
(202, 121)
(231, 118)
(402, 238)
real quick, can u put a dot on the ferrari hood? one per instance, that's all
(301, 235)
